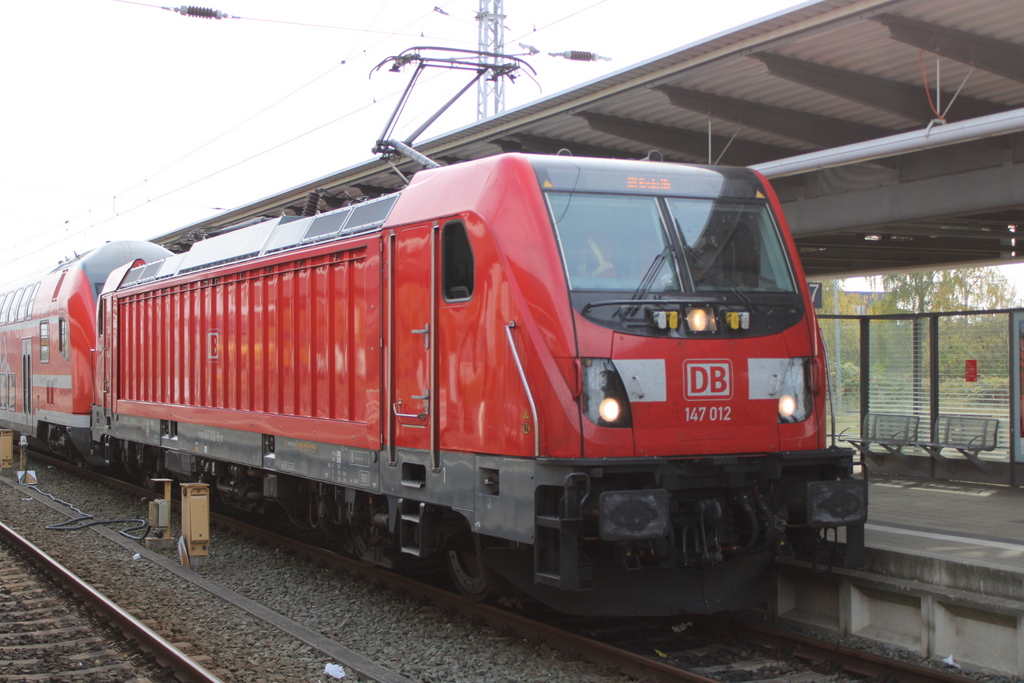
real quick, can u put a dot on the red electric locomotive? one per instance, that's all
(596, 382)
(47, 332)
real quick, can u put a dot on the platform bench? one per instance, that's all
(969, 435)
(890, 432)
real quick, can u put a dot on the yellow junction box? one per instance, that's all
(195, 518)
(6, 449)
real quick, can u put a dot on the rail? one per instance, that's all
(184, 668)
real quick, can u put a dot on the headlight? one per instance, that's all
(700, 319)
(787, 406)
(604, 400)
(795, 402)
(609, 410)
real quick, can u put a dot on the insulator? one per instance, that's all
(312, 203)
(201, 12)
(579, 56)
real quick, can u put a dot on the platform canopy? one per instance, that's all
(877, 172)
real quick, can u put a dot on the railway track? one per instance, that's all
(697, 650)
(55, 627)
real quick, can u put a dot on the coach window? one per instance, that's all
(62, 338)
(26, 294)
(456, 263)
(8, 302)
(44, 341)
(31, 300)
(12, 313)
(12, 392)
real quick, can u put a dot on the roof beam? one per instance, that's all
(990, 54)
(821, 131)
(688, 143)
(852, 253)
(892, 241)
(902, 99)
(835, 263)
(994, 188)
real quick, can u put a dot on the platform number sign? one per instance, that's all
(815, 288)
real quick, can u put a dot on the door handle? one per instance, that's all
(426, 337)
(397, 408)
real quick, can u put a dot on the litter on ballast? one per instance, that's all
(334, 671)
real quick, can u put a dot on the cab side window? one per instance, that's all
(456, 263)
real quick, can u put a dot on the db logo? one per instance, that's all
(707, 379)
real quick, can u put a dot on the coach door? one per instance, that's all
(412, 341)
(26, 375)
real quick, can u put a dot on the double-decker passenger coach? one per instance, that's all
(47, 335)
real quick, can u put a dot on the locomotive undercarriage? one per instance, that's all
(697, 535)
(630, 536)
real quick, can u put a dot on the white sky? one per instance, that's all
(123, 120)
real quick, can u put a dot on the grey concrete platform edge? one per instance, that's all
(914, 600)
(978, 577)
(350, 659)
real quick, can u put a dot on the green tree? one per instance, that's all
(962, 289)
(979, 338)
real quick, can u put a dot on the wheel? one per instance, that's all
(466, 571)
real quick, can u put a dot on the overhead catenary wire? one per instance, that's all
(195, 181)
(259, 19)
(145, 181)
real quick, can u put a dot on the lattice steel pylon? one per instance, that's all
(490, 97)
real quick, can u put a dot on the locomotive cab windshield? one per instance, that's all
(640, 253)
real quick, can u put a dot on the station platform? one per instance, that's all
(943, 575)
(961, 522)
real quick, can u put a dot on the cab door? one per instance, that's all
(412, 329)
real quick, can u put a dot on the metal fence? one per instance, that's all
(929, 365)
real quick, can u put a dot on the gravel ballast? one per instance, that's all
(415, 640)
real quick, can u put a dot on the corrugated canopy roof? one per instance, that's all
(823, 75)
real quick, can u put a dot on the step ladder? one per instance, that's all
(557, 560)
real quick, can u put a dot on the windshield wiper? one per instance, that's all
(647, 282)
(740, 295)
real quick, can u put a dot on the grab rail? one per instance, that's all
(526, 386)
